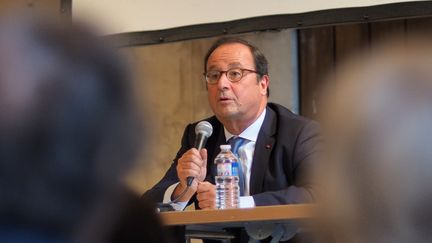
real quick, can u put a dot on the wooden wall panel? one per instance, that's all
(350, 39)
(384, 30)
(317, 44)
(418, 26)
(316, 61)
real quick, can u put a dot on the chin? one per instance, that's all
(228, 114)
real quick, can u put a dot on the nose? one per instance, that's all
(223, 82)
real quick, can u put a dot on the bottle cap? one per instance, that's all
(225, 147)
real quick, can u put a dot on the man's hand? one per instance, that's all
(192, 163)
(206, 195)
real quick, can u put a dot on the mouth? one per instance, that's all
(225, 100)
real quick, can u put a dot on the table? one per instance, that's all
(260, 222)
(263, 213)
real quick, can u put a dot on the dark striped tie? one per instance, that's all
(236, 143)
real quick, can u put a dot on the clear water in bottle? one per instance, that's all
(227, 180)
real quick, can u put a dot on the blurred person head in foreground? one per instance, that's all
(378, 128)
(68, 132)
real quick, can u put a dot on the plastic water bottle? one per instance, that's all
(227, 179)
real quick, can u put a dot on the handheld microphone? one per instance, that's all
(203, 131)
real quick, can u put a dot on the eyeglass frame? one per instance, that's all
(226, 74)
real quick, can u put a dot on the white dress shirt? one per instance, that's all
(245, 152)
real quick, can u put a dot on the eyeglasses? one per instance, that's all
(232, 74)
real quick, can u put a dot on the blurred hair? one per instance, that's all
(260, 61)
(377, 124)
(68, 127)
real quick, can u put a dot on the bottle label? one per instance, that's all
(235, 169)
(224, 169)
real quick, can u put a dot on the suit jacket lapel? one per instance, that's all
(263, 149)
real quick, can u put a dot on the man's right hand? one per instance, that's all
(192, 163)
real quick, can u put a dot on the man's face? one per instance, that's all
(240, 101)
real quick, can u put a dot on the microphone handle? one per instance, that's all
(200, 142)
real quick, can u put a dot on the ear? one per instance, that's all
(264, 83)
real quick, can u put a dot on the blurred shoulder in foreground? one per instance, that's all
(69, 132)
(377, 124)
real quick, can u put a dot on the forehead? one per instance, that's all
(231, 55)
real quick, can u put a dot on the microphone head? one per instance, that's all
(205, 128)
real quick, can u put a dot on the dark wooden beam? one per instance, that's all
(300, 20)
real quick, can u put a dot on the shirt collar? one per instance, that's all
(251, 132)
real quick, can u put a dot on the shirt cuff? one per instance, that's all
(178, 206)
(247, 202)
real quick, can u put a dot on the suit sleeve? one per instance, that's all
(305, 152)
(156, 193)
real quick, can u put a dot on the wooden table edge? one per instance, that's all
(262, 213)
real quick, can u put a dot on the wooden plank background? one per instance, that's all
(321, 49)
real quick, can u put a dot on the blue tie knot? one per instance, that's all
(236, 143)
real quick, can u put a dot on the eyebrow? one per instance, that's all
(231, 65)
(234, 64)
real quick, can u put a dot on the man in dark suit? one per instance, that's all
(279, 147)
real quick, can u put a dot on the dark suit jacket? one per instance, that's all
(285, 151)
